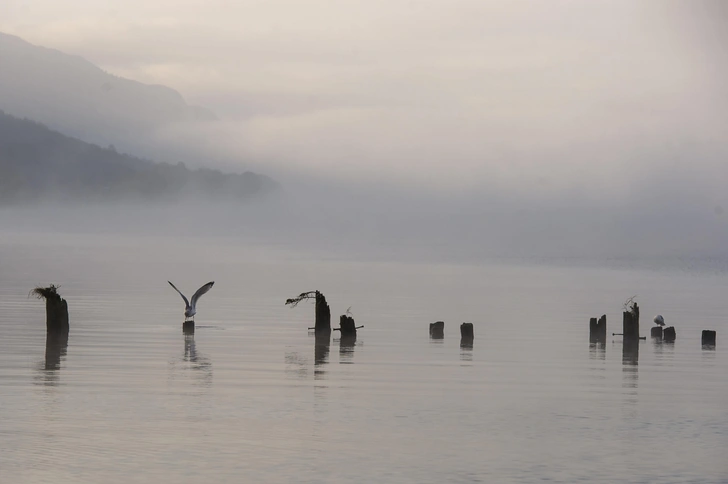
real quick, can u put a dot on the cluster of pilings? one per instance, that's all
(322, 325)
(467, 335)
(631, 329)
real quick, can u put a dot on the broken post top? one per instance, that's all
(323, 313)
(49, 293)
(56, 308)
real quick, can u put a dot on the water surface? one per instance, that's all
(252, 398)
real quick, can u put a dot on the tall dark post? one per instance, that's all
(188, 327)
(631, 323)
(323, 314)
(466, 335)
(322, 326)
(56, 309)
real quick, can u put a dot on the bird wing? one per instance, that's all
(200, 292)
(187, 303)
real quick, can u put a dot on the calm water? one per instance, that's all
(252, 399)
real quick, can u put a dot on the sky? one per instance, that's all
(611, 103)
(448, 94)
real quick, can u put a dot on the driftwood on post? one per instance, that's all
(631, 322)
(437, 330)
(56, 308)
(466, 333)
(708, 337)
(323, 312)
(598, 329)
(656, 332)
(668, 334)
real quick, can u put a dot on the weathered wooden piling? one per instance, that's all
(347, 325)
(631, 323)
(437, 330)
(56, 309)
(708, 337)
(347, 328)
(656, 332)
(188, 327)
(598, 329)
(323, 312)
(669, 335)
(466, 334)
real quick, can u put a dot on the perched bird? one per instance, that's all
(659, 320)
(190, 309)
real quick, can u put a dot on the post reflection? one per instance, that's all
(597, 351)
(630, 360)
(466, 349)
(321, 353)
(346, 348)
(199, 365)
(55, 352)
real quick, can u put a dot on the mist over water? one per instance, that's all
(523, 167)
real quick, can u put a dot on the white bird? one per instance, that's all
(190, 309)
(659, 320)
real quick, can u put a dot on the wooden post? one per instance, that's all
(56, 309)
(708, 337)
(631, 323)
(188, 327)
(323, 315)
(57, 315)
(347, 325)
(598, 329)
(466, 334)
(347, 328)
(656, 332)
(437, 330)
(668, 334)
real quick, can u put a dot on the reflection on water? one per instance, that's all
(321, 353)
(597, 351)
(55, 352)
(466, 349)
(346, 348)
(131, 392)
(630, 360)
(196, 365)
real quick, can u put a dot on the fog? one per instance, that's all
(454, 131)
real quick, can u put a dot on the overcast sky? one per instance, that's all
(537, 97)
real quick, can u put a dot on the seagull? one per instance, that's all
(190, 310)
(659, 320)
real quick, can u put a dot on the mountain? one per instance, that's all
(77, 98)
(38, 164)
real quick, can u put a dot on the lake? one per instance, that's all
(251, 398)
